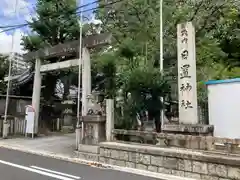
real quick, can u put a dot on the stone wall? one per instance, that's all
(197, 142)
(179, 162)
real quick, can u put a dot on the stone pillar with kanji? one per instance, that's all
(187, 82)
(187, 85)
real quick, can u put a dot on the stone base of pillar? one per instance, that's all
(6, 126)
(31, 135)
(67, 129)
(88, 152)
(194, 130)
(94, 129)
(189, 129)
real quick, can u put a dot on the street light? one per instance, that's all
(161, 35)
(5, 122)
(79, 78)
(161, 56)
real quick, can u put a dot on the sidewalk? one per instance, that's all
(63, 144)
(62, 147)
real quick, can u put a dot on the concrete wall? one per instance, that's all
(179, 162)
(2, 106)
(16, 106)
(224, 106)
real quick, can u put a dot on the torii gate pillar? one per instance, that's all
(86, 80)
(66, 49)
(36, 93)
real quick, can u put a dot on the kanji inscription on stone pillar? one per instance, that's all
(187, 85)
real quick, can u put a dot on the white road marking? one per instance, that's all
(56, 172)
(35, 170)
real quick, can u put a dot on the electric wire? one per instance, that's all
(13, 27)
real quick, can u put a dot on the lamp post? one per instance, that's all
(161, 36)
(79, 79)
(5, 122)
(161, 56)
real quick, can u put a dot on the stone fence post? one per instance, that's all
(109, 118)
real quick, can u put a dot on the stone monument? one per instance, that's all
(68, 123)
(187, 85)
(93, 127)
(93, 122)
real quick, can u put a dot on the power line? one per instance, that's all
(55, 15)
(12, 27)
(13, 12)
(101, 6)
(85, 5)
(32, 6)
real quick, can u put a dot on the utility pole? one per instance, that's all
(79, 78)
(161, 36)
(5, 122)
(161, 56)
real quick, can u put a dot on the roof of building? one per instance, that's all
(211, 82)
(23, 78)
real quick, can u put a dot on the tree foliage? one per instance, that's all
(135, 24)
(131, 64)
(55, 22)
(106, 65)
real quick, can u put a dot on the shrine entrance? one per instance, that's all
(67, 50)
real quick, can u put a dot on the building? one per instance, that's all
(18, 64)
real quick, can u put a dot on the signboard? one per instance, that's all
(30, 113)
(187, 86)
(70, 48)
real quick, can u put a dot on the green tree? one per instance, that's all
(106, 65)
(135, 27)
(55, 22)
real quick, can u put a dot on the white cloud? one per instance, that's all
(13, 8)
(8, 10)
(6, 42)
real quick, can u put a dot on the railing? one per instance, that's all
(208, 143)
(17, 126)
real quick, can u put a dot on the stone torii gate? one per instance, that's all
(66, 49)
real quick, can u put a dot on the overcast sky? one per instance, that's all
(25, 10)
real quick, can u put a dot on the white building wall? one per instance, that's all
(224, 107)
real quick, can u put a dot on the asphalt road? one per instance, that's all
(15, 165)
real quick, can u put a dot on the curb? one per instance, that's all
(53, 155)
(95, 164)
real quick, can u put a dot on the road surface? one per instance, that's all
(15, 165)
